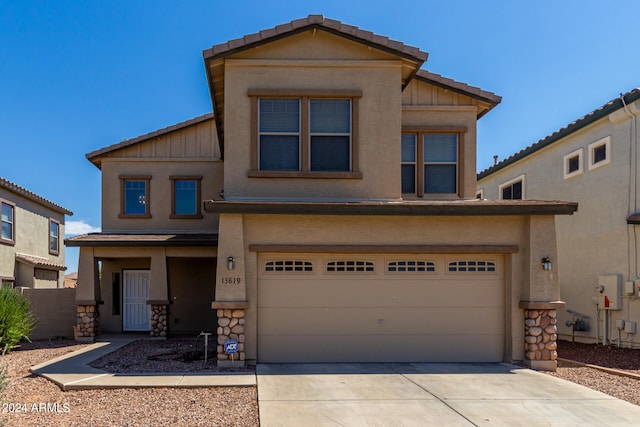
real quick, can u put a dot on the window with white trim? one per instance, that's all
(350, 266)
(573, 164)
(54, 237)
(472, 266)
(288, 266)
(411, 266)
(8, 223)
(600, 153)
(513, 189)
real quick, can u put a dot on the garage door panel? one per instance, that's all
(452, 314)
(398, 348)
(380, 320)
(363, 293)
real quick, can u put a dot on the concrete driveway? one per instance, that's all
(424, 394)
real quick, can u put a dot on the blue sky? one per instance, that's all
(76, 76)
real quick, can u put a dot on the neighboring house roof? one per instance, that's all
(615, 104)
(217, 53)
(94, 156)
(462, 88)
(39, 262)
(472, 207)
(109, 239)
(15, 188)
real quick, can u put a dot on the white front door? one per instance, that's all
(136, 313)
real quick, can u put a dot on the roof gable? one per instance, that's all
(411, 57)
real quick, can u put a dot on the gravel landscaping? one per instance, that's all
(34, 401)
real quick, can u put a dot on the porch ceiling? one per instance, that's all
(107, 239)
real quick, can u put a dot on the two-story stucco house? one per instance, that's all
(324, 212)
(31, 241)
(594, 161)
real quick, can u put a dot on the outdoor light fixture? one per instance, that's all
(546, 263)
(231, 263)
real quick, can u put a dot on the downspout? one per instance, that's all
(633, 184)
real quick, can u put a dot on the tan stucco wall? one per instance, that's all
(159, 194)
(596, 239)
(521, 282)
(31, 237)
(55, 310)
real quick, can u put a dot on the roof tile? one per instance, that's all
(12, 186)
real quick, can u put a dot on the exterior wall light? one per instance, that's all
(546, 263)
(231, 263)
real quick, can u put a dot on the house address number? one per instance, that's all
(230, 280)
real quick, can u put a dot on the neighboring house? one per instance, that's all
(31, 242)
(324, 212)
(593, 161)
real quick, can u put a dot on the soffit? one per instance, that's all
(115, 239)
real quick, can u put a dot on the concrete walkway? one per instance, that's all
(73, 372)
(426, 394)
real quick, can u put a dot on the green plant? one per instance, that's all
(16, 319)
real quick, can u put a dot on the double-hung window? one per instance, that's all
(513, 189)
(309, 134)
(8, 223)
(134, 196)
(430, 162)
(54, 237)
(185, 196)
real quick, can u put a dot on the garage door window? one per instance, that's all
(288, 266)
(350, 266)
(472, 266)
(411, 266)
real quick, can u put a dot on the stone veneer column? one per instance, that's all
(541, 334)
(231, 322)
(88, 326)
(159, 324)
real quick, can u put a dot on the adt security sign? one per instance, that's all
(231, 347)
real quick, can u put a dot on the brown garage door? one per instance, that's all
(375, 308)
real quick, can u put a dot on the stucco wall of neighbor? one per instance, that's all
(31, 236)
(159, 193)
(596, 240)
(321, 65)
(55, 310)
(375, 230)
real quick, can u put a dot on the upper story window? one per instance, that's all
(573, 164)
(513, 190)
(313, 134)
(134, 196)
(600, 153)
(185, 196)
(54, 237)
(7, 282)
(8, 222)
(430, 162)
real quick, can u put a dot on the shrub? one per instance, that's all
(16, 320)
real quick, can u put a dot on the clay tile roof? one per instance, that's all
(128, 142)
(603, 111)
(15, 188)
(463, 88)
(318, 21)
(40, 262)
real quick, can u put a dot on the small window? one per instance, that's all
(408, 160)
(288, 266)
(480, 194)
(54, 237)
(573, 164)
(600, 153)
(411, 266)
(472, 266)
(8, 223)
(8, 282)
(440, 163)
(349, 266)
(135, 196)
(185, 196)
(513, 190)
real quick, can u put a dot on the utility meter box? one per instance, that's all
(609, 291)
